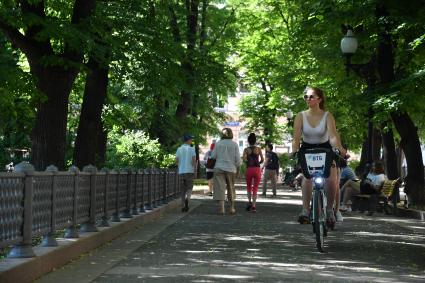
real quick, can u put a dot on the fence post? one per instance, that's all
(165, 173)
(104, 220)
(177, 184)
(72, 231)
(134, 210)
(24, 249)
(141, 173)
(154, 173)
(126, 213)
(116, 215)
(90, 226)
(148, 174)
(49, 239)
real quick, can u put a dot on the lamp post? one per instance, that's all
(365, 71)
(349, 46)
(289, 115)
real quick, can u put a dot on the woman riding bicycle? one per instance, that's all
(317, 129)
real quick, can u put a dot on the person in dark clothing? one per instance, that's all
(271, 169)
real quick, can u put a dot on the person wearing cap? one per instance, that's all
(186, 161)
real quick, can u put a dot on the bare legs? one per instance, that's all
(337, 190)
(307, 186)
(331, 186)
(350, 189)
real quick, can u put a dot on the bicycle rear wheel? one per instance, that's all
(319, 226)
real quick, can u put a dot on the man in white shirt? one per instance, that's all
(186, 161)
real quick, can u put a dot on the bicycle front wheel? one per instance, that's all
(319, 221)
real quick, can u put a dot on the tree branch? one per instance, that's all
(17, 38)
(82, 10)
(37, 10)
(215, 40)
(203, 33)
(173, 24)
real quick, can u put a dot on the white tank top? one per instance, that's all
(318, 134)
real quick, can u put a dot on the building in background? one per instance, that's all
(240, 135)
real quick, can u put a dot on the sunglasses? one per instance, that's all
(310, 97)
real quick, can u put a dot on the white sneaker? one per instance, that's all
(339, 217)
(349, 209)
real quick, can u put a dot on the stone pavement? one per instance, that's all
(268, 246)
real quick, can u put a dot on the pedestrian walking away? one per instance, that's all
(210, 171)
(253, 157)
(186, 161)
(271, 169)
(227, 163)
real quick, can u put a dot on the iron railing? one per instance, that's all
(39, 204)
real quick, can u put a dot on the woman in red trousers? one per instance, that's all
(253, 157)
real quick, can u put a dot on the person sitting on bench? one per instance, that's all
(372, 184)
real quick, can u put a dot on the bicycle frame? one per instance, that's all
(316, 164)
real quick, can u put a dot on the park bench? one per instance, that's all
(378, 202)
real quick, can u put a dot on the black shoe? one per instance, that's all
(303, 219)
(248, 206)
(185, 208)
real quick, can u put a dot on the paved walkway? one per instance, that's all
(269, 246)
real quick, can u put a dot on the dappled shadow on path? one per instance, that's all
(270, 246)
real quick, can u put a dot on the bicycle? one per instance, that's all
(316, 164)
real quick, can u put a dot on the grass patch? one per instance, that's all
(200, 182)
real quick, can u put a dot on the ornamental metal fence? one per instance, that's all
(40, 204)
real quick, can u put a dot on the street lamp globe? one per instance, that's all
(349, 43)
(349, 46)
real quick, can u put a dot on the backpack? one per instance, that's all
(273, 163)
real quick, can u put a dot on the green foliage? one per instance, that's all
(135, 149)
(286, 45)
(16, 111)
(200, 182)
(285, 161)
(278, 47)
(354, 164)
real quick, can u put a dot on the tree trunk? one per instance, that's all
(412, 150)
(90, 134)
(390, 155)
(54, 82)
(185, 106)
(364, 156)
(406, 128)
(48, 135)
(373, 143)
(376, 144)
